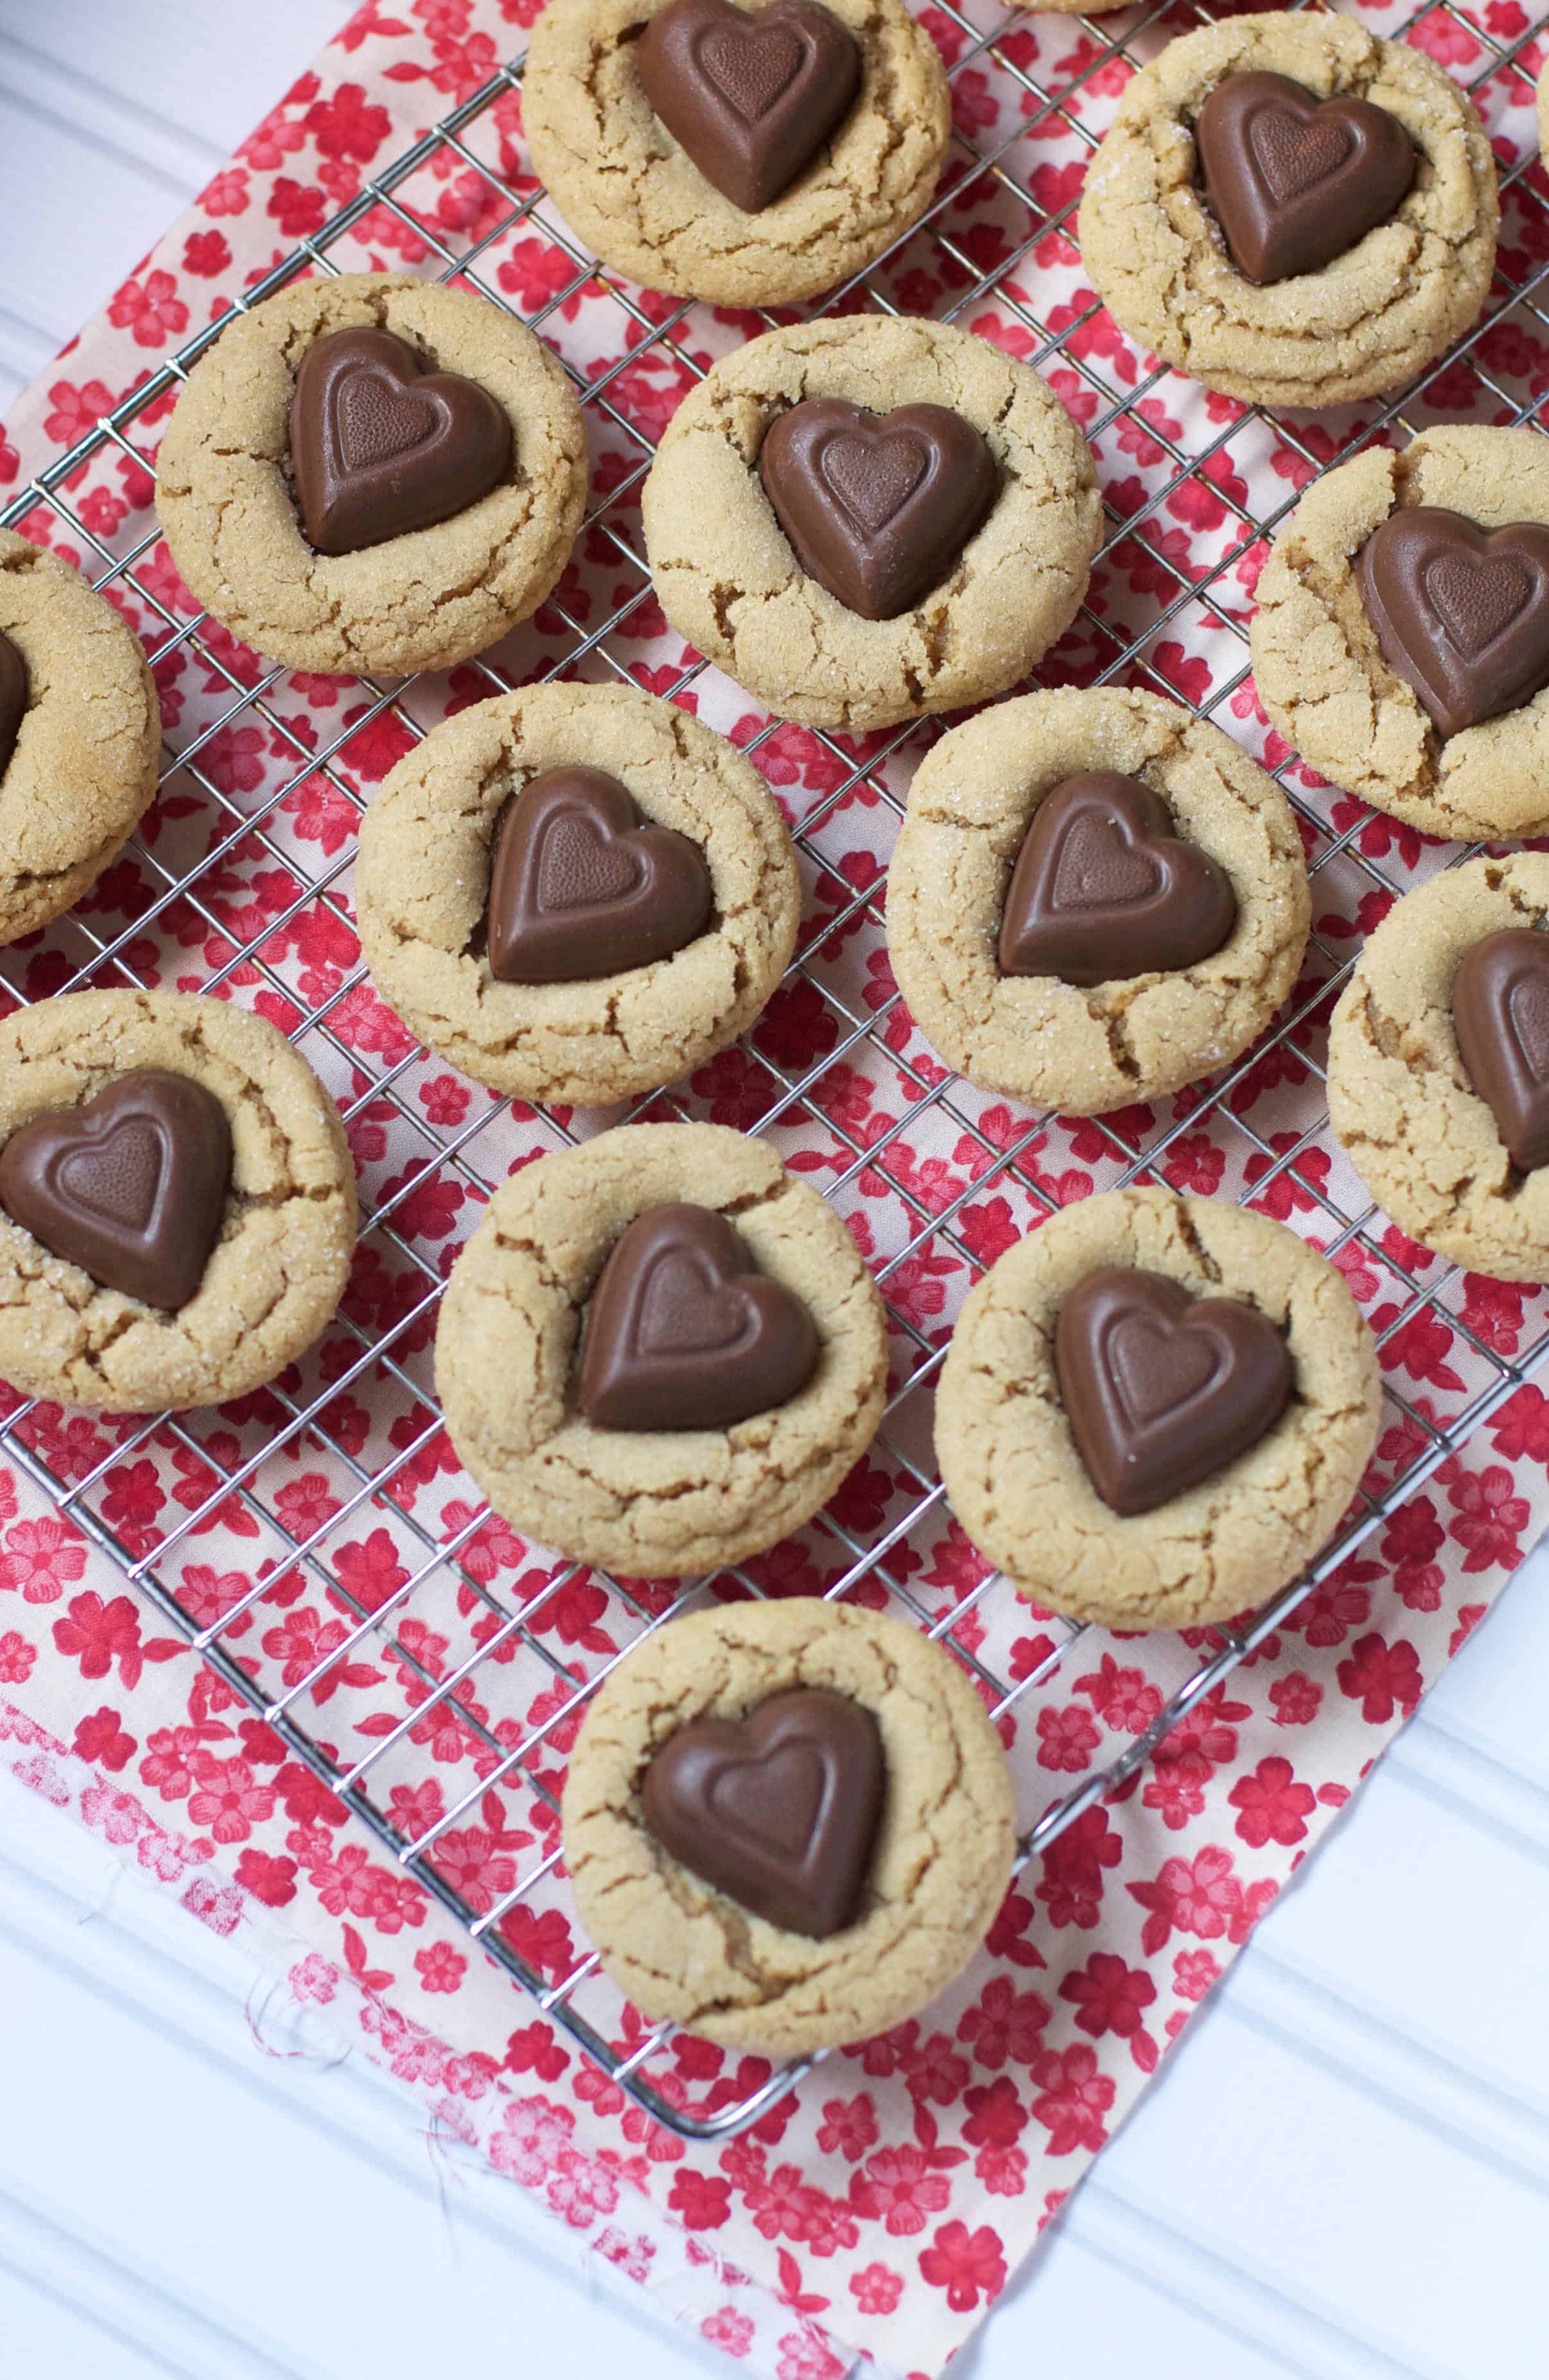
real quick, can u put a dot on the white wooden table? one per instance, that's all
(1343, 2172)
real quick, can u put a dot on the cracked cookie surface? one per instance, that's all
(423, 883)
(424, 600)
(1054, 1044)
(943, 1855)
(1368, 321)
(1425, 1143)
(639, 200)
(730, 583)
(85, 767)
(1319, 670)
(277, 1270)
(1019, 1488)
(649, 1503)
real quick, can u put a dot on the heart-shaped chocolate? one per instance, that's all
(778, 1810)
(1500, 1014)
(579, 888)
(1293, 180)
(750, 96)
(1163, 1389)
(13, 700)
(379, 446)
(877, 506)
(132, 1186)
(1461, 614)
(683, 1333)
(1105, 889)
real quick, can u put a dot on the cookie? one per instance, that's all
(80, 735)
(1431, 1126)
(760, 1738)
(654, 1502)
(642, 200)
(1363, 709)
(131, 1123)
(730, 579)
(1096, 898)
(435, 398)
(634, 1017)
(1138, 1390)
(1227, 272)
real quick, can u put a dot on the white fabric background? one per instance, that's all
(1342, 2173)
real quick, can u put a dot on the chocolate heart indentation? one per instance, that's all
(132, 1186)
(1293, 180)
(580, 888)
(778, 1810)
(877, 507)
(751, 97)
(13, 700)
(1461, 614)
(751, 66)
(1105, 889)
(1294, 154)
(1162, 1390)
(682, 1333)
(1500, 1014)
(379, 446)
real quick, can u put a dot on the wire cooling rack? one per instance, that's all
(440, 1640)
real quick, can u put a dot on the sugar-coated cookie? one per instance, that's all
(1086, 1383)
(1220, 261)
(138, 1131)
(1401, 641)
(1096, 898)
(613, 1012)
(881, 1809)
(1438, 1065)
(864, 494)
(79, 735)
(639, 197)
(341, 408)
(524, 1296)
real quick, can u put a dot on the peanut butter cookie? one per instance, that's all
(1377, 716)
(79, 733)
(1120, 1353)
(1370, 287)
(868, 486)
(616, 1018)
(643, 1501)
(839, 1775)
(1434, 1100)
(422, 410)
(1179, 837)
(639, 199)
(189, 1201)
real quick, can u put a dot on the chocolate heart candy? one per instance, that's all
(1294, 181)
(877, 506)
(682, 1333)
(1103, 889)
(13, 700)
(380, 447)
(1461, 615)
(751, 98)
(132, 1186)
(1500, 1014)
(579, 888)
(1162, 1390)
(778, 1810)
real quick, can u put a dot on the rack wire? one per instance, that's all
(439, 1639)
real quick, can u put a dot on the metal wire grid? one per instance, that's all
(224, 1483)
